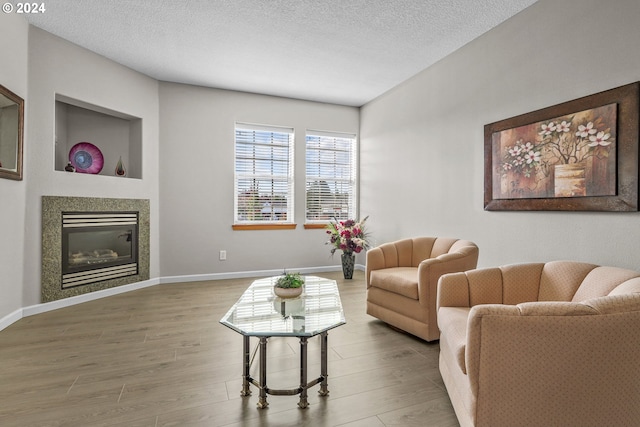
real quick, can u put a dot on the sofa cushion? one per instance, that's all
(601, 281)
(615, 304)
(422, 248)
(629, 287)
(399, 280)
(521, 282)
(561, 279)
(453, 327)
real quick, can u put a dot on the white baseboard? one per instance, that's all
(243, 274)
(10, 318)
(67, 302)
(78, 299)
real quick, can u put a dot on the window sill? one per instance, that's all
(314, 226)
(263, 226)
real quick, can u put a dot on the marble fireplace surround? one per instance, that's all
(52, 208)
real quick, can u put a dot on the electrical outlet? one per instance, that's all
(223, 255)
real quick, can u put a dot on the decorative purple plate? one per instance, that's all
(86, 157)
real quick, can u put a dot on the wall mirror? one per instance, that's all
(11, 130)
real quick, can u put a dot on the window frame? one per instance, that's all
(352, 180)
(289, 179)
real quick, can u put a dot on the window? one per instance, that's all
(331, 176)
(263, 174)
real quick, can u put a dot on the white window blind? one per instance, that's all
(330, 176)
(263, 174)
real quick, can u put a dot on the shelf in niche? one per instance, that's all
(117, 135)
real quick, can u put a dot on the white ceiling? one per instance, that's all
(337, 51)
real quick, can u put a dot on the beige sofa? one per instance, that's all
(402, 277)
(550, 344)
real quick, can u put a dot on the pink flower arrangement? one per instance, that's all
(349, 236)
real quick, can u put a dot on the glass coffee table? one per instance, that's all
(259, 313)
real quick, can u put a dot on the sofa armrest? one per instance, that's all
(453, 291)
(374, 261)
(473, 287)
(506, 321)
(430, 270)
(521, 358)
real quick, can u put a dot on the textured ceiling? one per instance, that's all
(338, 51)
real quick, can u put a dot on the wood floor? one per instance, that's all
(159, 357)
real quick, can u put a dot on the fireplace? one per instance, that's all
(92, 244)
(98, 246)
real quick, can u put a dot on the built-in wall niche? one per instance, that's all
(116, 136)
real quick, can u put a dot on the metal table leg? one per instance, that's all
(323, 364)
(246, 390)
(302, 390)
(303, 403)
(262, 400)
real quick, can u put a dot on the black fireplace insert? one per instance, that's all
(98, 246)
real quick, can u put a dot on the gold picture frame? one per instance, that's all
(11, 134)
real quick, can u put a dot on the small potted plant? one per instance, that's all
(289, 285)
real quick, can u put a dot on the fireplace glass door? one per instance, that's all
(97, 247)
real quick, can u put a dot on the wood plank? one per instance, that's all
(158, 357)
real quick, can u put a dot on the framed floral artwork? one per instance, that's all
(578, 156)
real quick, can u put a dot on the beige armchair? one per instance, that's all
(545, 344)
(402, 277)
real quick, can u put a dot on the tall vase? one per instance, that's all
(120, 170)
(348, 262)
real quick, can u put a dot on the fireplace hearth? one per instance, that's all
(91, 244)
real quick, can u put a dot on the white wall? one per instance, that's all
(422, 143)
(13, 75)
(196, 181)
(57, 66)
(421, 149)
